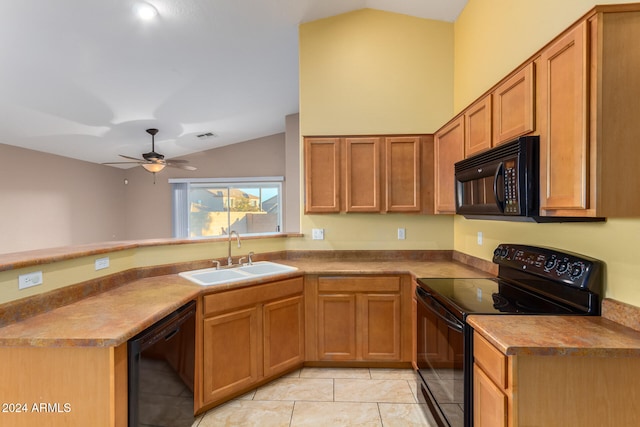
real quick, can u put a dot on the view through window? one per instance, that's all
(210, 209)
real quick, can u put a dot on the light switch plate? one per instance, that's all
(401, 234)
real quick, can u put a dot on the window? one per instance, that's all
(214, 207)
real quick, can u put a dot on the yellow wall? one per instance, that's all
(492, 38)
(368, 72)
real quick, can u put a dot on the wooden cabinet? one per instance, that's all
(587, 110)
(248, 336)
(448, 149)
(586, 389)
(359, 318)
(363, 174)
(513, 106)
(562, 82)
(78, 386)
(402, 173)
(477, 127)
(322, 175)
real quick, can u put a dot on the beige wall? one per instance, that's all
(48, 201)
(487, 48)
(368, 72)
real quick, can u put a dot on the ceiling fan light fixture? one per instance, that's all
(153, 167)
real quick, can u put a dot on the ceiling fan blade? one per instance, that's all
(178, 161)
(122, 163)
(185, 167)
(131, 158)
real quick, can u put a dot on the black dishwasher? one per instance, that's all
(160, 370)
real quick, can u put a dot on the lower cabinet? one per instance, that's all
(249, 335)
(571, 389)
(359, 318)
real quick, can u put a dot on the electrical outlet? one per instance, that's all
(480, 238)
(102, 263)
(317, 234)
(30, 279)
(401, 234)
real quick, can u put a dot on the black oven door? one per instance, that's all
(440, 360)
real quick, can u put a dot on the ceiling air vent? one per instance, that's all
(206, 135)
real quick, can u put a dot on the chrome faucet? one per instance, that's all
(229, 260)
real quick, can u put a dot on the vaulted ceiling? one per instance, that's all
(85, 78)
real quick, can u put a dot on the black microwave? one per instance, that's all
(500, 183)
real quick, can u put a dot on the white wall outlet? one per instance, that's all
(317, 234)
(480, 238)
(401, 234)
(102, 263)
(30, 279)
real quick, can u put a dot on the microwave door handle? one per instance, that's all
(496, 176)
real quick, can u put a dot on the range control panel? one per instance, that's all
(572, 269)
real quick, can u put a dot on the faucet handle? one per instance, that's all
(217, 263)
(240, 260)
(250, 255)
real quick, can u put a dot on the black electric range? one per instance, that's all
(531, 280)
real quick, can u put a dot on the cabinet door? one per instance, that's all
(380, 317)
(322, 175)
(448, 149)
(402, 174)
(362, 180)
(283, 339)
(562, 112)
(477, 127)
(489, 402)
(337, 327)
(230, 353)
(513, 107)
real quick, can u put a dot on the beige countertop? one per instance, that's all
(112, 317)
(557, 335)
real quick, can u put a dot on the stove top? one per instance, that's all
(489, 296)
(531, 280)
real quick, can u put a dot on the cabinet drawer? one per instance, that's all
(359, 284)
(229, 300)
(491, 360)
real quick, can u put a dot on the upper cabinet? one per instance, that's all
(513, 106)
(322, 175)
(477, 127)
(588, 109)
(448, 149)
(364, 173)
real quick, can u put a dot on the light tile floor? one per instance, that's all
(326, 397)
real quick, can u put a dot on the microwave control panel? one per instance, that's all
(511, 205)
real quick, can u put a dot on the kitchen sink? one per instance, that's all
(214, 276)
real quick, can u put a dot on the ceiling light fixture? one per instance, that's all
(146, 11)
(153, 167)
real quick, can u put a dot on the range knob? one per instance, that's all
(576, 270)
(563, 266)
(504, 252)
(550, 263)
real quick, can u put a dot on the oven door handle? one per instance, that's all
(439, 310)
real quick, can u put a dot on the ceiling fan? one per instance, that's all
(154, 162)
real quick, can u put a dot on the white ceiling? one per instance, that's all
(85, 78)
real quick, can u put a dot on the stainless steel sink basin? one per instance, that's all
(213, 276)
